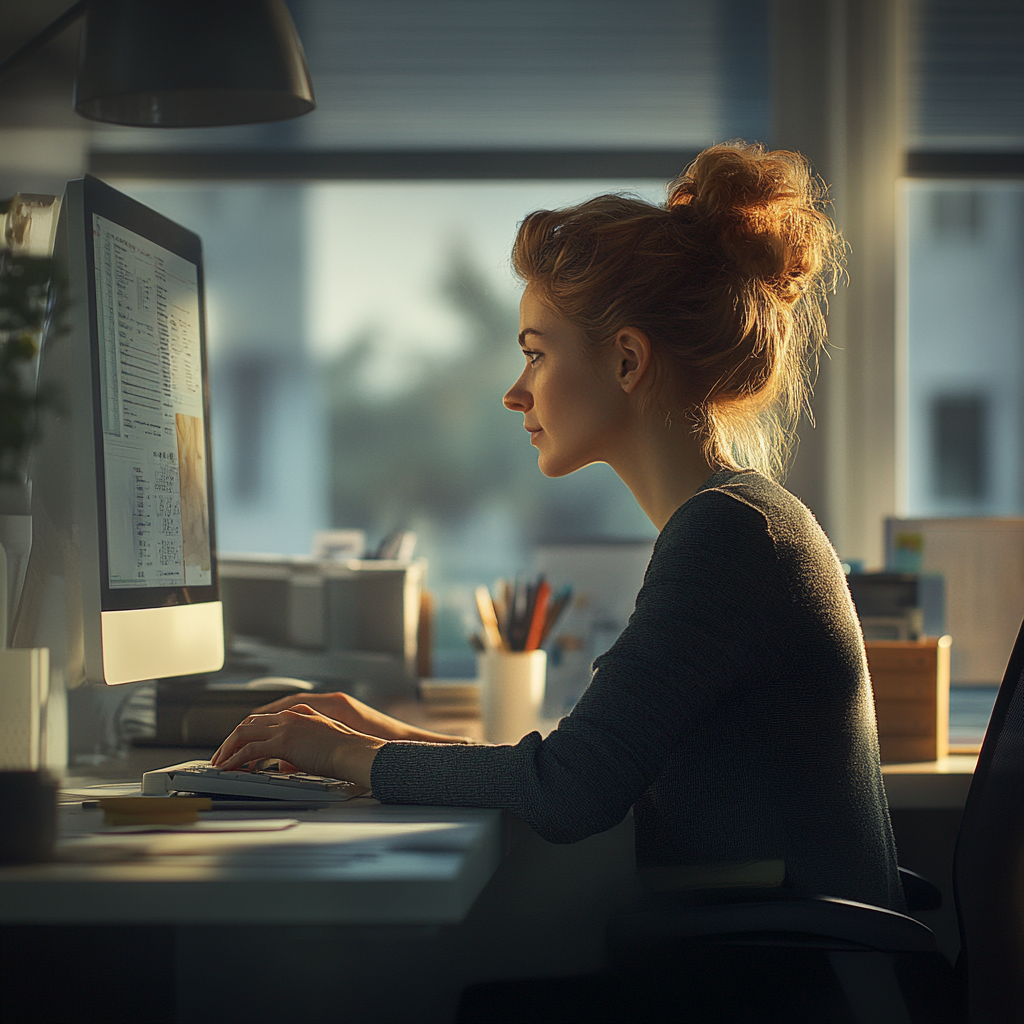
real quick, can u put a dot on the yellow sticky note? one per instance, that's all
(147, 810)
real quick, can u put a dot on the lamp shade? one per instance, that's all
(190, 63)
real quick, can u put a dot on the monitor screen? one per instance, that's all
(153, 443)
(122, 580)
(151, 402)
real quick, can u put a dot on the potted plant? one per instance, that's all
(27, 227)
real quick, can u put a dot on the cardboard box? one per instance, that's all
(910, 679)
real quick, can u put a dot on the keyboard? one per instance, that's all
(202, 777)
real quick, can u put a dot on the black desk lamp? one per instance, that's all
(183, 63)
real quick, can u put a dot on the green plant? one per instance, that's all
(24, 283)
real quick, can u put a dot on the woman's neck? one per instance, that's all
(664, 465)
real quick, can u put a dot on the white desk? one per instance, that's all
(930, 784)
(377, 914)
(333, 952)
(365, 864)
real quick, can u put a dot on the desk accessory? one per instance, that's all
(910, 680)
(520, 617)
(354, 623)
(28, 816)
(512, 663)
(145, 810)
(899, 606)
(511, 693)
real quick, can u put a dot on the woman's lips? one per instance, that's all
(534, 433)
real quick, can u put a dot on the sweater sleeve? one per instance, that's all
(698, 626)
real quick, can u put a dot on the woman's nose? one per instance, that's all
(518, 398)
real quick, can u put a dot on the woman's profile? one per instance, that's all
(734, 713)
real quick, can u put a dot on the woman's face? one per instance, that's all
(571, 397)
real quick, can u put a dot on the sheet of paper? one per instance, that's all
(100, 791)
(247, 825)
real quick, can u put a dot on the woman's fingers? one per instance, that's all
(302, 740)
(252, 751)
(299, 735)
(252, 727)
(256, 719)
(280, 704)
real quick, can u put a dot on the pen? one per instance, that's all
(508, 597)
(555, 609)
(520, 623)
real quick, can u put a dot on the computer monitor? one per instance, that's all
(122, 578)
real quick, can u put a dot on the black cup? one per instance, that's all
(28, 817)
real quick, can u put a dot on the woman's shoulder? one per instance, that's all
(727, 501)
(723, 523)
(745, 500)
(741, 516)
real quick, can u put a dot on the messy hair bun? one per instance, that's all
(727, 280)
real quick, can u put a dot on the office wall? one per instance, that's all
(840, 96)
(41, 159)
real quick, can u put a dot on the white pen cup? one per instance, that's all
(511, 693)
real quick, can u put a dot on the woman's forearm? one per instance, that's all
(414, 732)
(362, 717)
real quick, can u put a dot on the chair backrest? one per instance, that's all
(988, 869)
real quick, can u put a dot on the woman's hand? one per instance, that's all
(359, 716)
(303, 739)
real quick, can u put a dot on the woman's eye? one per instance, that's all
(531, 357)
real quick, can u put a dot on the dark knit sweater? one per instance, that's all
(734, 713)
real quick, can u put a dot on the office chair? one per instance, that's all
(742, 956)
(775, 954)
(747, 955)
(988, 866)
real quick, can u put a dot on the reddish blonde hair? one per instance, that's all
(727, 280)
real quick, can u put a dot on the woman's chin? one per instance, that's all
(554, 467)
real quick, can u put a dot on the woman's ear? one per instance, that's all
(633, 352)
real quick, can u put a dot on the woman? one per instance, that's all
(734, 713)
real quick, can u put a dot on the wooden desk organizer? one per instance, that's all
(910, 679)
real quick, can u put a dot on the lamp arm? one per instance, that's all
(37, 42)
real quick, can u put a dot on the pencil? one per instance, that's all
(539, 616)
(501, 611)
(492, 635)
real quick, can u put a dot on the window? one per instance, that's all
(964, 300)
(363, 332)
(361, 338)
(959, 448)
